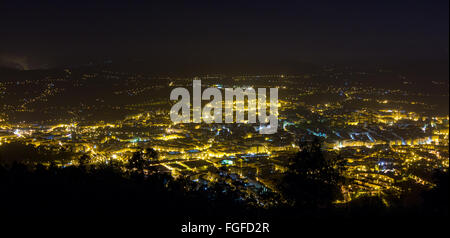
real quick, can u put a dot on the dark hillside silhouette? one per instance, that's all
(308, 189)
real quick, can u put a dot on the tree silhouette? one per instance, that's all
(312, 181)
(137, 162)
(84, 160)
(436, 199)
(151, 154)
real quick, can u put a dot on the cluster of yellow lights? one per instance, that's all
(169, 137)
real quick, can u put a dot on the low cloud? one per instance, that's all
(15, 62)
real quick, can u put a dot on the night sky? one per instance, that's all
(221, 36)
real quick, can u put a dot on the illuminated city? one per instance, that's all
(389, 137)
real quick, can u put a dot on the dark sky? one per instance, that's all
(222, 35)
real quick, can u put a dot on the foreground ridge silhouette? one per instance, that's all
(308, 190)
